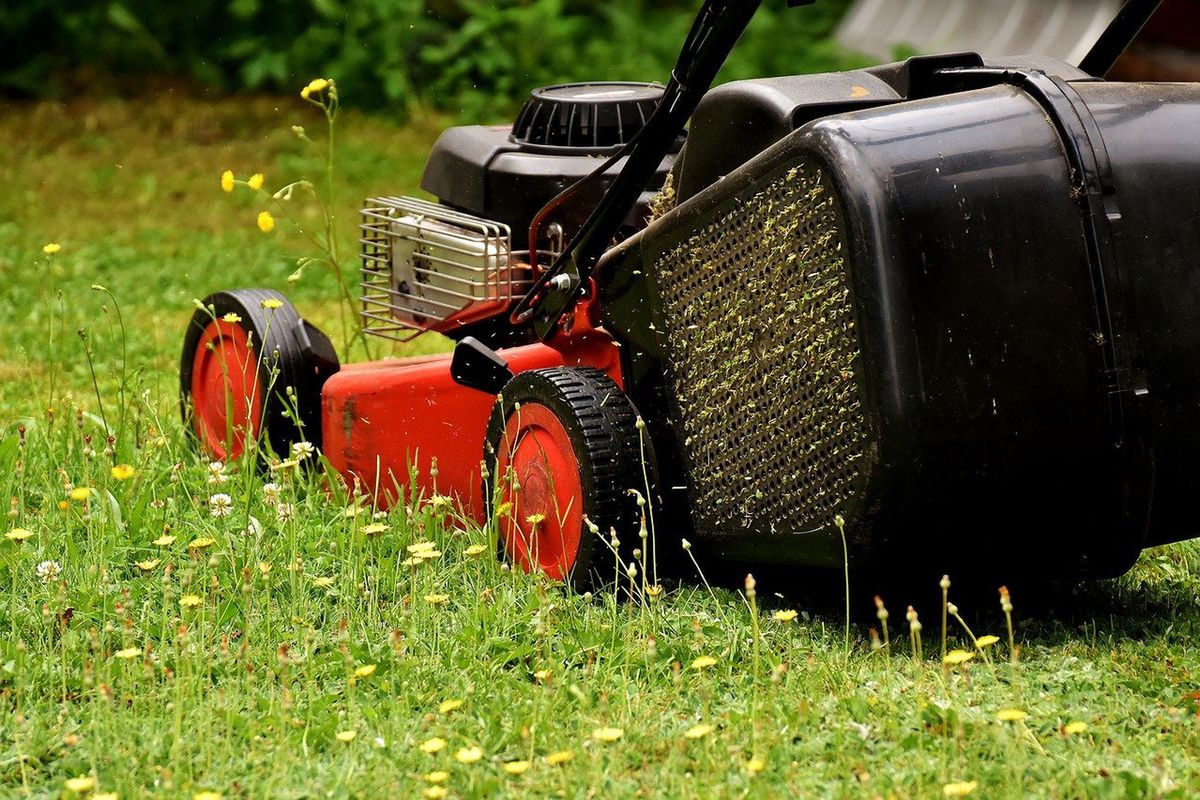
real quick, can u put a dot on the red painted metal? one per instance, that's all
(226, 391)
(543, 492)
(385, 420)
(517, 273)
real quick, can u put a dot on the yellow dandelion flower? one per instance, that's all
(437, 776)
(346, 736)
(63, 505)
(81, 784)
(365, 671)
(412, 562)
(420, 547)
(468, 755)
(475, 550)
(314, 86)
(1075, 728)
(266, 222)
(51, 248)
(123, 472)
(785, 615)
(446, 706)
(703, 662)
(18, 535)
(436, 599)
(81, 493)
(105, 796)
(271, 303)
(374, 529)
(559, 757)
(147, 565)
(543, 675)
(264, 567)
(435, 792)
(698, 731)
(190, 600)
(323, 582)
(227, 180)
(959, 788)
(207, 796)
(128, 653)
(201, 543)
(516, 767)
(955, 657)
(986, 641)
(165, 540)
(755, 765)
(607, 735)
(231, 318)
(434, 745)
(1011, 715)
(256, 181)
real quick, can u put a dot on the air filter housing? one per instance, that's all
(968, 324)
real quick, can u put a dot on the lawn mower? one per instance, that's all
(940, 312)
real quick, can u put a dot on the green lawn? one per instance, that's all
(302, 658)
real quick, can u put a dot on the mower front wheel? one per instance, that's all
(563, 451)
(252, 371)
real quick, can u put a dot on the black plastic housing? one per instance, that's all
(1023, 288)
(563, 133)
(736, 121)
(588, 116)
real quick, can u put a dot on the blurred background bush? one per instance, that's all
(470, 57)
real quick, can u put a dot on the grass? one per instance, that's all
(241, 662)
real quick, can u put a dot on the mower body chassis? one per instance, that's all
(403, 428)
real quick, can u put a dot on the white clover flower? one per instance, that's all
(216, 473)
(48, 570)
(220, 505)
(271, 492)
(302, 450)
(285, 511)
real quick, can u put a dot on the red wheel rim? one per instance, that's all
(226, 391)
(544, 523)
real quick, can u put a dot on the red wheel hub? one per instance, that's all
(543, 524)
(227, 395)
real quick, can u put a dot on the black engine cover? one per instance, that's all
(563, 134)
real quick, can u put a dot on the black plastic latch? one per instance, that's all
(477, 366)
(317, 347)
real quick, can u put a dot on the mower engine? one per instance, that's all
(947, 306)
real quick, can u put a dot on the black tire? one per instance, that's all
(292, 356)
(601, 424)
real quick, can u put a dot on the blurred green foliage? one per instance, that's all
(471, 57)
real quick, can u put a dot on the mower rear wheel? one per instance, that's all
(252, 367)
(563, 450)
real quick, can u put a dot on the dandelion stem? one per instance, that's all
(840, 521)
(87, 352)
(123, 385)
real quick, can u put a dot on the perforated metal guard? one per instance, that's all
(763, 351)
